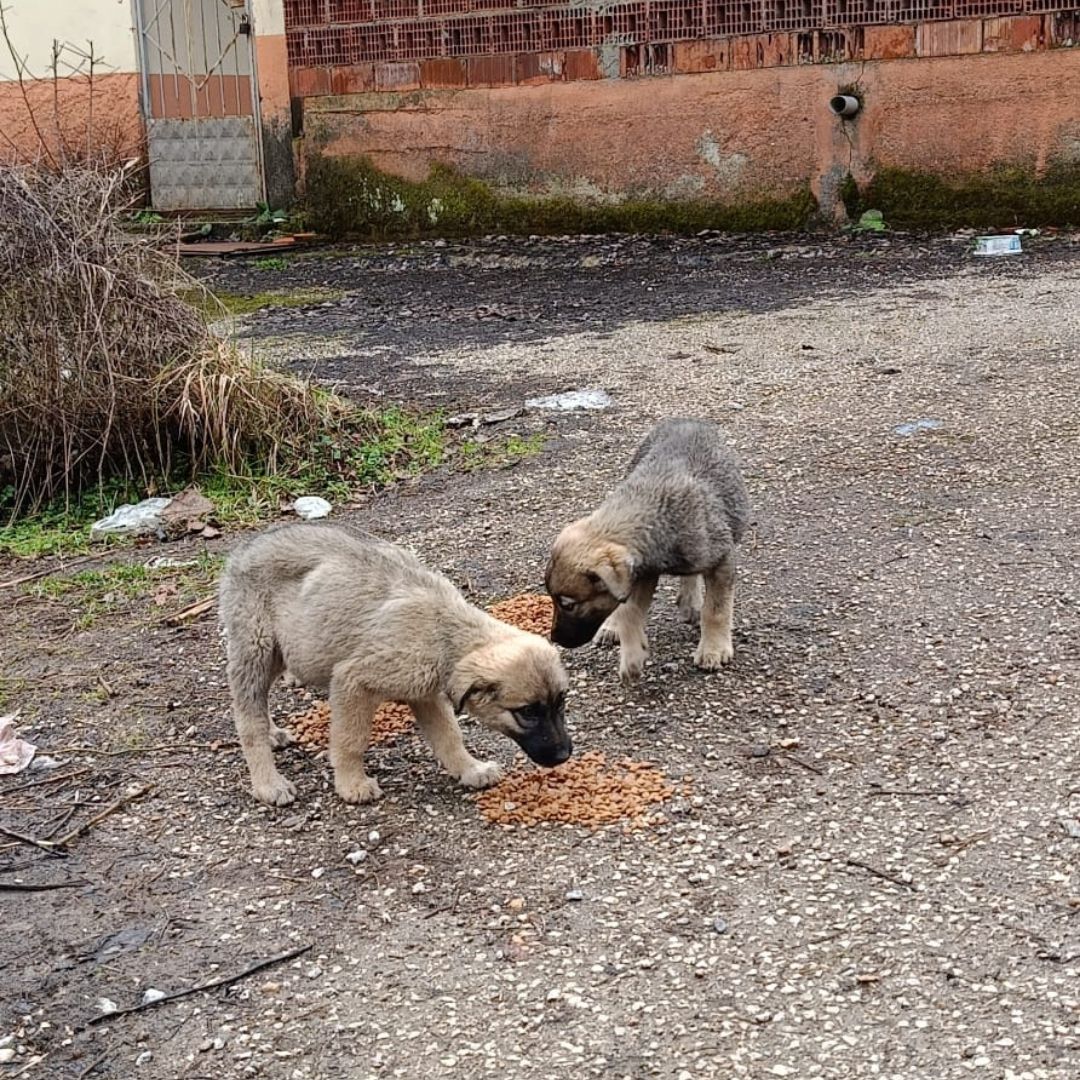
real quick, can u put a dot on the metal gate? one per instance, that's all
(201, 103)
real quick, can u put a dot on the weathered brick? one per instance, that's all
(309, 81)
(397, 76)
(888, 42)
(353, 79)
(957, 38)
(443, 74)
(535, 69)
(762, 51)
(580, 64)
(692, 57)
(1022, 33)
(491, 70)
(776, 50)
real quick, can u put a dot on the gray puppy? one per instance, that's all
(681, 510)
(365, 620)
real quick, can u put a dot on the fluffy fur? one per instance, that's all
(365, 620)
(681, 510)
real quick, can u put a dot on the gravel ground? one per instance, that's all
(876, 870)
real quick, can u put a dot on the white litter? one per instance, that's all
(311, 507)
(131, 519)
(15, 753)
(571, 400)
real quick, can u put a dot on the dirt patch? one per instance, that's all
(586, 791)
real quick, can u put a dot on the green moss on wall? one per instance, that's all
(1002, 198)
(349, 197)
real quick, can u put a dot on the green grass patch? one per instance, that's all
(117, 587)
(367, 451)
(272, 262)
(221, 304)
(499, 453)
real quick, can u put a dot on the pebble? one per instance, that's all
(318, 872)
(720, 925)
(574, 895)
(106, 1005)
(150, 995)
(356, 857)
(6, 1055)
(145, 1057)
(760, 750)
(313, 972)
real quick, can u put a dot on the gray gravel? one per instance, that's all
(877, 871)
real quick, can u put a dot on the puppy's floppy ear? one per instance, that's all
(616, 570)
(482, 688)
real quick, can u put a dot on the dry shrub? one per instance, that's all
(107, 372)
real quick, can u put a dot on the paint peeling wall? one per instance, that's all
(104, 119)
(685, 99)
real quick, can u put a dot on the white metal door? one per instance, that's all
(201, 103)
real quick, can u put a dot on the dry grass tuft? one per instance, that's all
(107, 372)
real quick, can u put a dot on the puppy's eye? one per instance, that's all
(529, 716)
(567, 603)
(591, 578)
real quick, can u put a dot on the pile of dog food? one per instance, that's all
(527, 611)
(312, 727)
(587, 790)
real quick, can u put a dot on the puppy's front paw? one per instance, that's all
(481, 774)
(289, 680)
(713, 656)
(275, 790)
(357, 789)
(279, 737)
(607, 635)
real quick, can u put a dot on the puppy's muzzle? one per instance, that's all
(572, 633)
(544, 750)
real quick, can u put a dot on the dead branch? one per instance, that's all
(201, 607)
(883, 874)
(19, 886)
(202, 987)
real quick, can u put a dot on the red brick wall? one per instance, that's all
(687, 98)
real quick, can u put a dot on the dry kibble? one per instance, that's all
(312, 728)
(586, 791)
(527, 611)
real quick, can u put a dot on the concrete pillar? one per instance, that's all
(272, 63)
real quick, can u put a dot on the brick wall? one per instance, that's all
(686, 99)
(350, 46)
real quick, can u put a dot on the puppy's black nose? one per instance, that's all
(562, 753)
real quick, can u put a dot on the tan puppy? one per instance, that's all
(681, 510)
(366, 621)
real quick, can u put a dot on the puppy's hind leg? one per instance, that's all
(352, 709)
(715, 648)
(254, 663)
(690, 599)
(439, 726)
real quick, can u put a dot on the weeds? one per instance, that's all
(118, 586)
(272, 262)
(499, 453)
